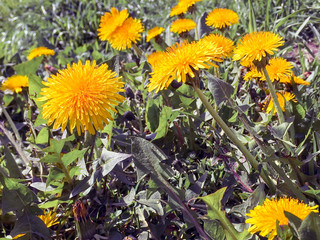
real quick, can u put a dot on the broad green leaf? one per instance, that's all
(32, 225)
(294, 222)
(152, 114)
(11, 164)
(221, 90)
(51, 158)
(15, 196)
(55, 174)
(57, 145)
(70, 157)
(29, 67)
(167, 115)
(213, 202)
(310, 227)
(43, 136)
(214, 229)
(111, 159)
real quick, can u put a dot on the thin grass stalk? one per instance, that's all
(254, 163)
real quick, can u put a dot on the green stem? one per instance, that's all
(137, 49)
(274, 96)
(65, 170)
(254, 163)
(11, 123)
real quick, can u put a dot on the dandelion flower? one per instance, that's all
(278, 68)
(82, 95)
(221, 18)
(296, 80)
(40, 51)
(222, 42)
(110, 21)
(263, 218)
(127, 34)
(155, 57)
(257, 45)
(283, 97)
(182, 7)
(152, 33)
(119, 29)
(180, 61)
(15, 83)
(182, 25)
(49, 218)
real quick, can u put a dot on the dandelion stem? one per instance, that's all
(274, 96)
(254, 163)
(137, 49)
(11, 123)
(65, 170)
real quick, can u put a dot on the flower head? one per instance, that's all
(49, 218)
(110, 21)
(182, 25)
(37, 52)
(181, 60)
(15, 83)
(83, 95)
(264, 218)
(221, 18)
(119, 29)
(222, 42)
(278, 69)
(257, 45)
(283, 97)
(154, 32)
(155, 57)
(182, 7)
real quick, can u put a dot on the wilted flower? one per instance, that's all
(263, 219)
(182, 25)
(82, 95)
(257, 45)
(120, 30)
(154, 32)
(15, 83)
(221, 18)
(182, 60)
(40, 51)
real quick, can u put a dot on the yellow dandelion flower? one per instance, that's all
(257, 45)
(181, 60)
(182, 7)
(40, 51)
(246, 63)
(15, 83)
(119, 29)
(83, 95)
(126, 34)
(278, 68)
(296, 80)
(221, 18)
(263, 218)
(152, 33)
(49, 218)
(283, 97)
(155, 57)
(110, 21)
(222, 42)
(182, 25)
